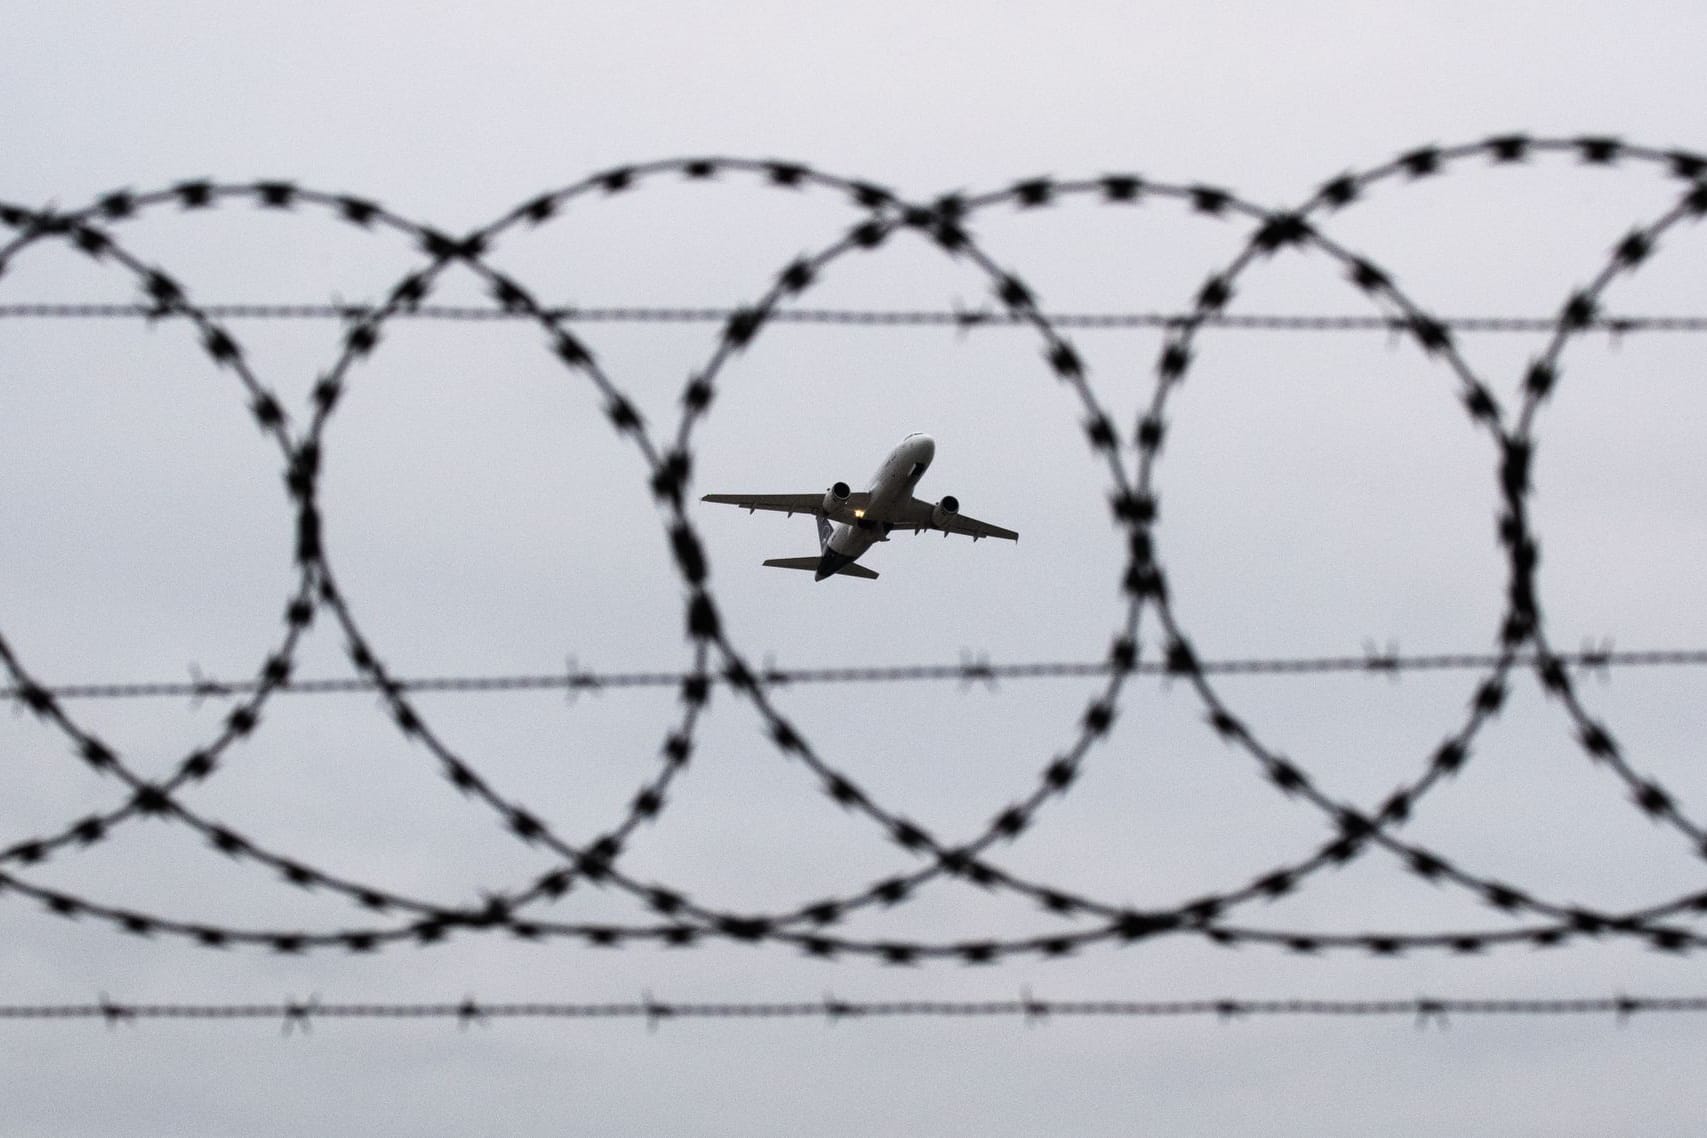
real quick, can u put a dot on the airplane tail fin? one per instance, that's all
(824, 532)
(849, 570)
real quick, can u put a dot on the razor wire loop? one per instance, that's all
(667, 484)
(669, 474)
(1280, 230)
(942, 225)
(1592, 735)
(1580, 311)
(1273, 233)
(149, 798)
(1523, 621)
(201, 761)
(675, 471)
(526, 825)
(302, 471)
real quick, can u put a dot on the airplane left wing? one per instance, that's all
(918, 516)
(792, 503)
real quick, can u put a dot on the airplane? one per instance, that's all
(862, 519)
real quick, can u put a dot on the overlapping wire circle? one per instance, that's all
(1131, 457)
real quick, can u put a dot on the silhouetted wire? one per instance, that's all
(1425, 1010)
(881, 216)
(981, 318)
(981, 671)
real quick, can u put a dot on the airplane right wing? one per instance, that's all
(917, 516)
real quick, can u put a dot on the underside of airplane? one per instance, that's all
(851, 522)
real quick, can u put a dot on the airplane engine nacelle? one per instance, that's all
(944, 510)
(836, 497)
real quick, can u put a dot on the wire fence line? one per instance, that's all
(1076, 918)
(1614, 325)
(969, 672)
(301, 1015)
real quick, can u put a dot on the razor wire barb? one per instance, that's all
(880, 216)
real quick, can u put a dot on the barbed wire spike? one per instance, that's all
(1377, 660)
(469, 1012)
(114, 1014)
(298, 1016)
(1036, 1011)
(1596, 658)
(203, 688)
(976, 668)
(579, 680)
(656, 1012)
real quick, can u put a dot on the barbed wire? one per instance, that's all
(979, 670)
(963, 319)
(300, 1015)
(942, 224)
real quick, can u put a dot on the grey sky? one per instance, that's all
(1319, 492)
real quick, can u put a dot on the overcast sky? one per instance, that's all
(1319, 494)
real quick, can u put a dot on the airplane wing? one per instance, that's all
(916, 516)
(793, 503)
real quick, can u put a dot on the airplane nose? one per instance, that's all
(924, 448)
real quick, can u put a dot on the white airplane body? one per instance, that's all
(849, 522)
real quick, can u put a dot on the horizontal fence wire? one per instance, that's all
(967, 672)
(965, 320)
(302, 1014)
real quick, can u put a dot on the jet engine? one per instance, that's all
(836, 497)
(944, 510)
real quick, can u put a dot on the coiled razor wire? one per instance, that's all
(880, 217)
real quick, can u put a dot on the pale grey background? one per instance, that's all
(1318, 493)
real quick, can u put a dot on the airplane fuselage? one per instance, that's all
(891, 490)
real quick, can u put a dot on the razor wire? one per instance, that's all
(942, 224)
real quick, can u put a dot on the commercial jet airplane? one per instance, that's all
(861, 519)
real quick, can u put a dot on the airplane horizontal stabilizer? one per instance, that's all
(811, 563)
